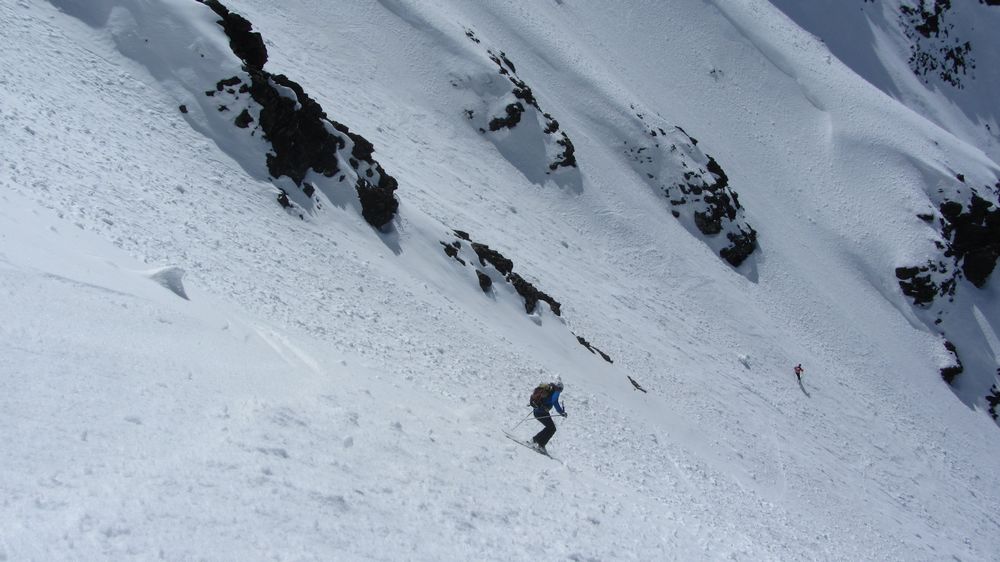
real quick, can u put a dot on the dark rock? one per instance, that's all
(492, 257)
(567, 157)
(484, 281)
(462, 234)
(975, 236)
(363, 149)
(531, 294)
(918, 284)
(283, 199)
(635, 384)
(309, 189)
(302, 137)
(514, 111)
(521, 91)
(934, 48)
(741, 246)
(993, 398)
(510, 65)
(697, 187)
(183, 108)
(223, 84)
(949, 373)
(246, 44)
(243, 120)
(299, 138)
(378, 204)
(593, 349)
(451, 250)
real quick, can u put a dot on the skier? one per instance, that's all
(545, 397)
(798, 372)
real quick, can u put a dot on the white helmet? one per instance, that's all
(558, 382)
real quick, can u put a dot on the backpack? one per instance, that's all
(540, 395)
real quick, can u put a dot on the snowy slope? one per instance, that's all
(332, 390)
(937, 57)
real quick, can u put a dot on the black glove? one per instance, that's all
(563, 414)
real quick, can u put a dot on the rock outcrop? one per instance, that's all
(968, 221)
(507, 104)
(502, 268)
(302, 137)
(695, 185)
(935, 48)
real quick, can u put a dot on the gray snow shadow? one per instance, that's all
(748, 268)
(859, 50)
(92, 12)
(86, 285)
(972, 326)
(525, 148)
(389, 235)
(170, 278)
(803, 389)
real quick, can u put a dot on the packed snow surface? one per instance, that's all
(188, 371)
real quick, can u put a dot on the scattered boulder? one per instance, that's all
(593, 349)
(635, 384)
(489, 257)
(484, 281)
(378, 205)
(950, 372)
(243, 120)
(513, 117)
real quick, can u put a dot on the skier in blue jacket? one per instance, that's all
(543, 416)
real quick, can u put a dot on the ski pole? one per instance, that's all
(529, 415)
(522, 421)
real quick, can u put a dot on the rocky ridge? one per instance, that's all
(303, 138)
(697, 188)
(508, 103)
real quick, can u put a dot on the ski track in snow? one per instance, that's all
(320, 394)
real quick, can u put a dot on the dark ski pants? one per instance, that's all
(543, 436)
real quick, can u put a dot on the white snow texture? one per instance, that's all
(317, 389)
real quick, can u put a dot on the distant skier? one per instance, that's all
(798, 372)
(542, 400)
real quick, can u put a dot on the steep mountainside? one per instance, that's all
(276, 277)
(941, 60)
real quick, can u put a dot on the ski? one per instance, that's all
(529, 445)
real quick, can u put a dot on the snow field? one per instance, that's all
(230, 424)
